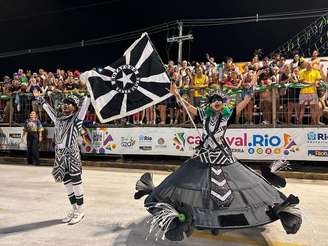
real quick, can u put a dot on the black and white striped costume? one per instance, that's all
(217, 191)
(215, 152)
(67, 166)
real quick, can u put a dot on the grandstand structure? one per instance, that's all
(313, 37)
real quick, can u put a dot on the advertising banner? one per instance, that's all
(246, 144)
(11, 139)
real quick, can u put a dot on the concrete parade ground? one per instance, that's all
(32, 205)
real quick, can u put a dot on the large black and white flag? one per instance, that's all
(135, 82)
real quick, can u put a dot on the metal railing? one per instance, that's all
(271, 106)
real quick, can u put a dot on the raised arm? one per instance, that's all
(190, 108)
(240, 106)
(322, 73)
(233, 110)
(84, 108)
(50, 111)
(256, 77)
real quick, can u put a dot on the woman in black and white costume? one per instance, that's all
(212, 190)
(67, 166)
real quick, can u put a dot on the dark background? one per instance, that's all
(38, 23)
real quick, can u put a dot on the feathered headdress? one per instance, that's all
(217, 95)
(72, 99)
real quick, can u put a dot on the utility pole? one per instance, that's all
(180, 40)
(180, 26)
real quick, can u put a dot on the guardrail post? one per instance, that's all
(274, 107)
(11, 108)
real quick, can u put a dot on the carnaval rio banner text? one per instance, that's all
(246, 144)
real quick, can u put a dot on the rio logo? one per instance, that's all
(264, 144)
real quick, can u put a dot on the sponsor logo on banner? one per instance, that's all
(317, 138)
(145, 139)
(15, 135)
(179, 141)
(13, 140)
(145, 148)
(161, 143)
(101, 142)
(10, 140)
(145, 142)
(318, 153)
(264, 144)
(127, 142)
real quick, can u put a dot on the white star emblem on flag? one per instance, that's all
(135, 82)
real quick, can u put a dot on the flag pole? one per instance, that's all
(178, 97)
(185, 107)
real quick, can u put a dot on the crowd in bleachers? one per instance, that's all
(19, 88)
(282, 92)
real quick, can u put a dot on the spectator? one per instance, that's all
(7, 91)
(172, 102)
(233, 82)
(32, 87)
(295, 63)
(265, 63)
(323, 106)
(248, 84)
(211, 60)
(281, 62)
(266, 97)
(308, 95)
(151, 115)
(182, 69)
(228, 66)
(315, 60)
(185, 93)
(199, 82)
(33, 129)
(285, 79)
(136, 118)
(293, 98)
(255, 64)
(71, 83)
(162, 105)
(275, 60)
(213, 81)
(23, 80)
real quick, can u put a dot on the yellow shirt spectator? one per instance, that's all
(309, 76)
(200, 81)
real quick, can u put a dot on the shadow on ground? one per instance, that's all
(29, 227)
(135, 235)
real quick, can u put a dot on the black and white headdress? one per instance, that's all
(217, 95)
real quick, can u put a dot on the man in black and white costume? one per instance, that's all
(67, 166)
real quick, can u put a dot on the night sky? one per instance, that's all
(38, 23)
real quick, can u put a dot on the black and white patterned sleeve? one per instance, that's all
(50, 111)
(201, 113)
(84, 108)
